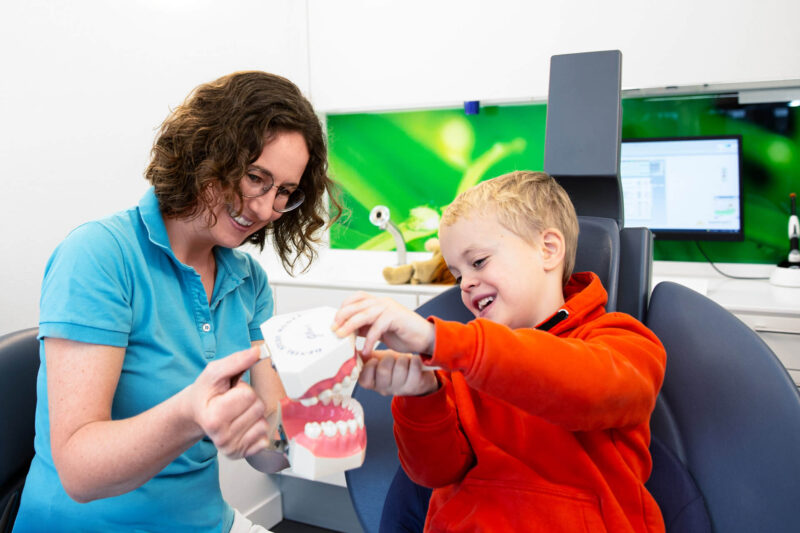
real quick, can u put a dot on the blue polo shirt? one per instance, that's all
(116, 282)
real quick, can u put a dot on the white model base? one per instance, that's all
(307, 465)
(785, 277)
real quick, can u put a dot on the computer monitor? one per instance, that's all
(684, 187)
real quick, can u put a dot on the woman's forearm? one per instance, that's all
(97, 457)
(112, 457)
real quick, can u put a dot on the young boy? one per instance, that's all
(537, 419)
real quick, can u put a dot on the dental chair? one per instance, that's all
(19, 364)
(729, 412)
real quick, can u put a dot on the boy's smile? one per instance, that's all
(483, 303)
(503, 277)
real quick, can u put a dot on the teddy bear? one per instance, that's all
(433, 270)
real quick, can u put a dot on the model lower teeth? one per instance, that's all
(329, 428)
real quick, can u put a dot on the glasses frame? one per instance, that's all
(265, 189)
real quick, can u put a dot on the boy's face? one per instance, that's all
(503, 277)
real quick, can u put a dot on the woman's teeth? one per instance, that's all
(242, 221)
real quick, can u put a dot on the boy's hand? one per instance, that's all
(392, 373)
(383, 319)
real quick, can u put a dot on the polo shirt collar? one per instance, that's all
(234, 269)
(154, 222)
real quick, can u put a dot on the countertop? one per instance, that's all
(348, 269)
(362, 270)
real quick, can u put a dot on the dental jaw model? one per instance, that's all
(323, 424)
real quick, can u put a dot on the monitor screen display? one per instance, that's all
(683, 188)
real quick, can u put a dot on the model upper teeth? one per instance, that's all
(483, 302)
(239, 219)
(338, 392)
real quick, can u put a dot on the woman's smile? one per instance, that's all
(240, 220)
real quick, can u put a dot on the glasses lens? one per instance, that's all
(291, 202)
(254, 185)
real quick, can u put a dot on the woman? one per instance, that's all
(149, 318)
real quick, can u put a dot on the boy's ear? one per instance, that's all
(553, 248)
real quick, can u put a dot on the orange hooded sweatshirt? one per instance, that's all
(541, 431)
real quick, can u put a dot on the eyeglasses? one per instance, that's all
(252, 186)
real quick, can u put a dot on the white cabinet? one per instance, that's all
(782, 335)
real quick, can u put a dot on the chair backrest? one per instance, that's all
(19, 364)
(729, 411)
(635, 271)
(622, 259)
(599, 252)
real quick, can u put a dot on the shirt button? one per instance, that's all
(206, 327)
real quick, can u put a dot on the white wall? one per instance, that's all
(392, 54)
(84, 85)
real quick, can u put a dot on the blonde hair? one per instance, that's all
(525, 203)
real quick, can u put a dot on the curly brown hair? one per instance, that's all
(218, 131)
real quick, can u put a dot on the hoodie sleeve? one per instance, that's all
(428, 432)
(605, 374)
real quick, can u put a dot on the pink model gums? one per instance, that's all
(324, 426)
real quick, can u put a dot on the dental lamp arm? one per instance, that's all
(380, 217)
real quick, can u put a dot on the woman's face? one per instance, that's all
(283, 159)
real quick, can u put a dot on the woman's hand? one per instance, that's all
(229, 411)
(383, 319)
